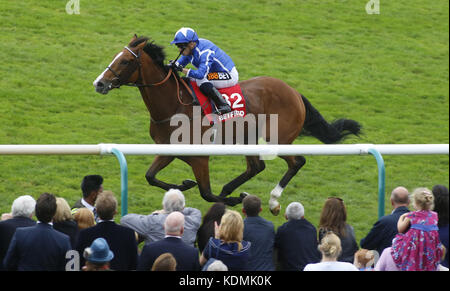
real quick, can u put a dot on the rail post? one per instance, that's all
(123, 180)
(381, 180)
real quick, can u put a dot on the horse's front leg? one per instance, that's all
(159, 163)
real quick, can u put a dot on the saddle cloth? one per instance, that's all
(232, 95)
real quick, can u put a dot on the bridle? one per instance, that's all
(122, 78)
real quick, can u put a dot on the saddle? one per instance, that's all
(232, 95)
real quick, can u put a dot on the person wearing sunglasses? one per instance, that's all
(215, 69)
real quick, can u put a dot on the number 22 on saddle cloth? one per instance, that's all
(232, 95)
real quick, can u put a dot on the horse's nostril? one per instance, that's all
(100, 84)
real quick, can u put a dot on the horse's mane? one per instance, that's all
(155, 51)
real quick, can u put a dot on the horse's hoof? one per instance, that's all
(243, 195)
(276, 210)
(188, 184)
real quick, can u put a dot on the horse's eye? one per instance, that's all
(124, 62)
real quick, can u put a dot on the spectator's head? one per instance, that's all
(294, 211)
(400, 197)
(441, 205)
(23, 206)
(63, 211)
(333, 216)
(251, 205)
(84, 218)
(364, 258)
(98, 255)
(91, 186)
(45, 207)
(106, 205)
(330, 246)
(215, 212)
(174, 224)
(165, 262)
(423, 199)
(173, 201)
(217, 265)
(231, 227)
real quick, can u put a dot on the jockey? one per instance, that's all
(215, 69)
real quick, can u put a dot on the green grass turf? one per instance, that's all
(388, 71)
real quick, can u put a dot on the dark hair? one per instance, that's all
(252, 205)
(215, 212)
(91, 183)
(441, 206)
(45, 207)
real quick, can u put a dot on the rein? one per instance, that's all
(169, 74)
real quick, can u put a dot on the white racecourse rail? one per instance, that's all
(236, 150)
(264, 151)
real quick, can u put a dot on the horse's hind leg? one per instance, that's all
(159, 163)
(295, 163)
(200, 167)
(254, 166)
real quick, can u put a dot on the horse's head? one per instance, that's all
(124, 68)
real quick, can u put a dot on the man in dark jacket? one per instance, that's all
(39, 247)
(296, 240)
(385, 229)
(261, 233)
(121, 239)
(186, 256)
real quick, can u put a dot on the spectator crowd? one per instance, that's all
(414, 237)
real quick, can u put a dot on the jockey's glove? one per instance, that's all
(175, 66)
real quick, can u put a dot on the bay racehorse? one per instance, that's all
(165, 94)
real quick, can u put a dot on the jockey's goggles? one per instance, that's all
(181, 45)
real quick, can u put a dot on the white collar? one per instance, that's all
(49, 223)
(101, 220)
(87, 205)
(168, 235)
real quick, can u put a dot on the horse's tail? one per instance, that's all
(318, 127)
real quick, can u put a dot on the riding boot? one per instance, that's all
(213, 94)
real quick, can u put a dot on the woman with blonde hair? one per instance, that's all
(228, 245)
(63, 220)
(330, 247)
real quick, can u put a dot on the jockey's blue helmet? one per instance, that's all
(185, 35)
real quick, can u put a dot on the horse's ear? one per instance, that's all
(134, 38)
(142, 44)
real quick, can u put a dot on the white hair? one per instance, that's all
(173, 201)
(23, 206)
(295, 210)
(217, 265)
